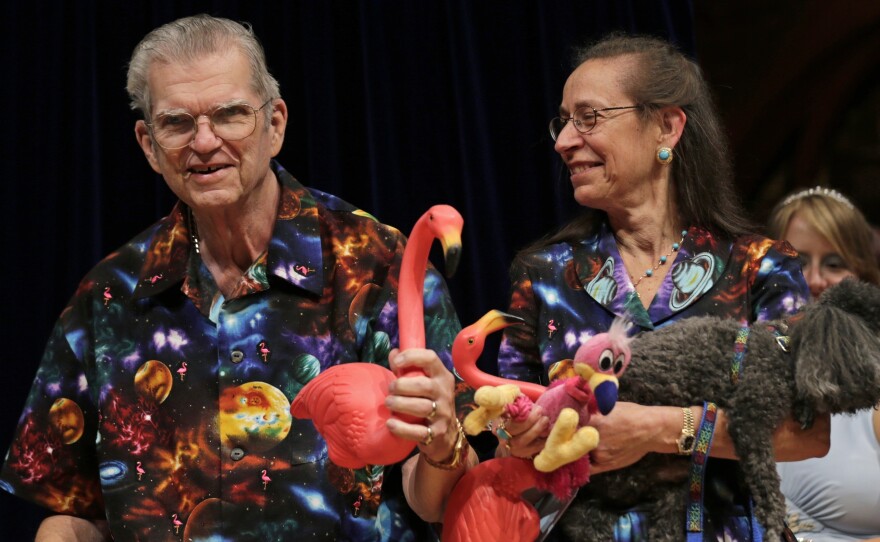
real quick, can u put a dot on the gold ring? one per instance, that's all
(429, 438)
(433, 410)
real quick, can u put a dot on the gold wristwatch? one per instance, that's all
(687, 439)
(459, 452)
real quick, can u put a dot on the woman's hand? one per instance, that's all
(793, 443)
(629, 432)
(521, 439)
(429, 397)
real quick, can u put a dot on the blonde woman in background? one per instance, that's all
(836, 497)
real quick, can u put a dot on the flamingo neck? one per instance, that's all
(466, 366)
(411, 285)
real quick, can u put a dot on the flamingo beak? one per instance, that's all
(605, 390)
(451, 243)
(495, 320)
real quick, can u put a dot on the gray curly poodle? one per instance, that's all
(832, 366)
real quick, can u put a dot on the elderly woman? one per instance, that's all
(833, 498)
(662, 237)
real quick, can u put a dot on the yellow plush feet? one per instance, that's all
(566, 443)
(491, 401)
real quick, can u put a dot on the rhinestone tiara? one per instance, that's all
(818, 191)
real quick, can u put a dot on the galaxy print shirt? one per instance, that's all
(566, 294)
(165, 408)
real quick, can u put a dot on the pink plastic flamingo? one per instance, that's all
(264, 351)
(155, 278)
(347, 402)
(264, 475)
(176, 522)
(107, 295)
(182, 370)
(140, 470)
(493, 488)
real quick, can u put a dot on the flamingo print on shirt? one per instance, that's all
(263, 348)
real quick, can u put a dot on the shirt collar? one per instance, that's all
(601, 272)
(294, 253)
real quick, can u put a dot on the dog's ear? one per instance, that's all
(837, 360)
(855, 297)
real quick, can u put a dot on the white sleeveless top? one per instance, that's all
(836, 497)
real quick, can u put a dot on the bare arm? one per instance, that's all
(73, 529)
(630, 431)
(425, 486)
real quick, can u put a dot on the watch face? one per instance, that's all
(686, 443)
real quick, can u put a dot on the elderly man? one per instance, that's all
(161, 409)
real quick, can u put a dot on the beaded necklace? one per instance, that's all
(663, 259)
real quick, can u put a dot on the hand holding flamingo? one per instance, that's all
(493, 489)
(348, 402)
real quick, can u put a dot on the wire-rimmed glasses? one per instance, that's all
(584, 119)
(230, 122)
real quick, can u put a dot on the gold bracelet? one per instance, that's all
(459, 452)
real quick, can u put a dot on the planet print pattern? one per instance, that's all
(164, 406)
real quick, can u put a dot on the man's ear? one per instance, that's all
(277, 125)
(145, 140)
(672, 122)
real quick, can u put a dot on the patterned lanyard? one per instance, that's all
(700, 456)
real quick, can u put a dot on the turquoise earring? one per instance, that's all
(664, 155)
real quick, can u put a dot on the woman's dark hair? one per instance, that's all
(702, 178)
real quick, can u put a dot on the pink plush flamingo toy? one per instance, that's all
(582, 386)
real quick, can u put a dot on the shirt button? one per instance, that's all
(237, 356)
(236, 454)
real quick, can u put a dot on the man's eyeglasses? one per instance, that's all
(229, 122)
(584, 119)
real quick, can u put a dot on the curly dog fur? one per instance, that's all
(833, 366)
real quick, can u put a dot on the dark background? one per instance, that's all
(396, 106)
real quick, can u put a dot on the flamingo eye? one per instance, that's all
(471, 340)
(618, 364)
(606, 360)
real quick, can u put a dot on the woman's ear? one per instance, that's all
(672, 122)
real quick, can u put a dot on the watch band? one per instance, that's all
(459, 452)
(687, 439)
